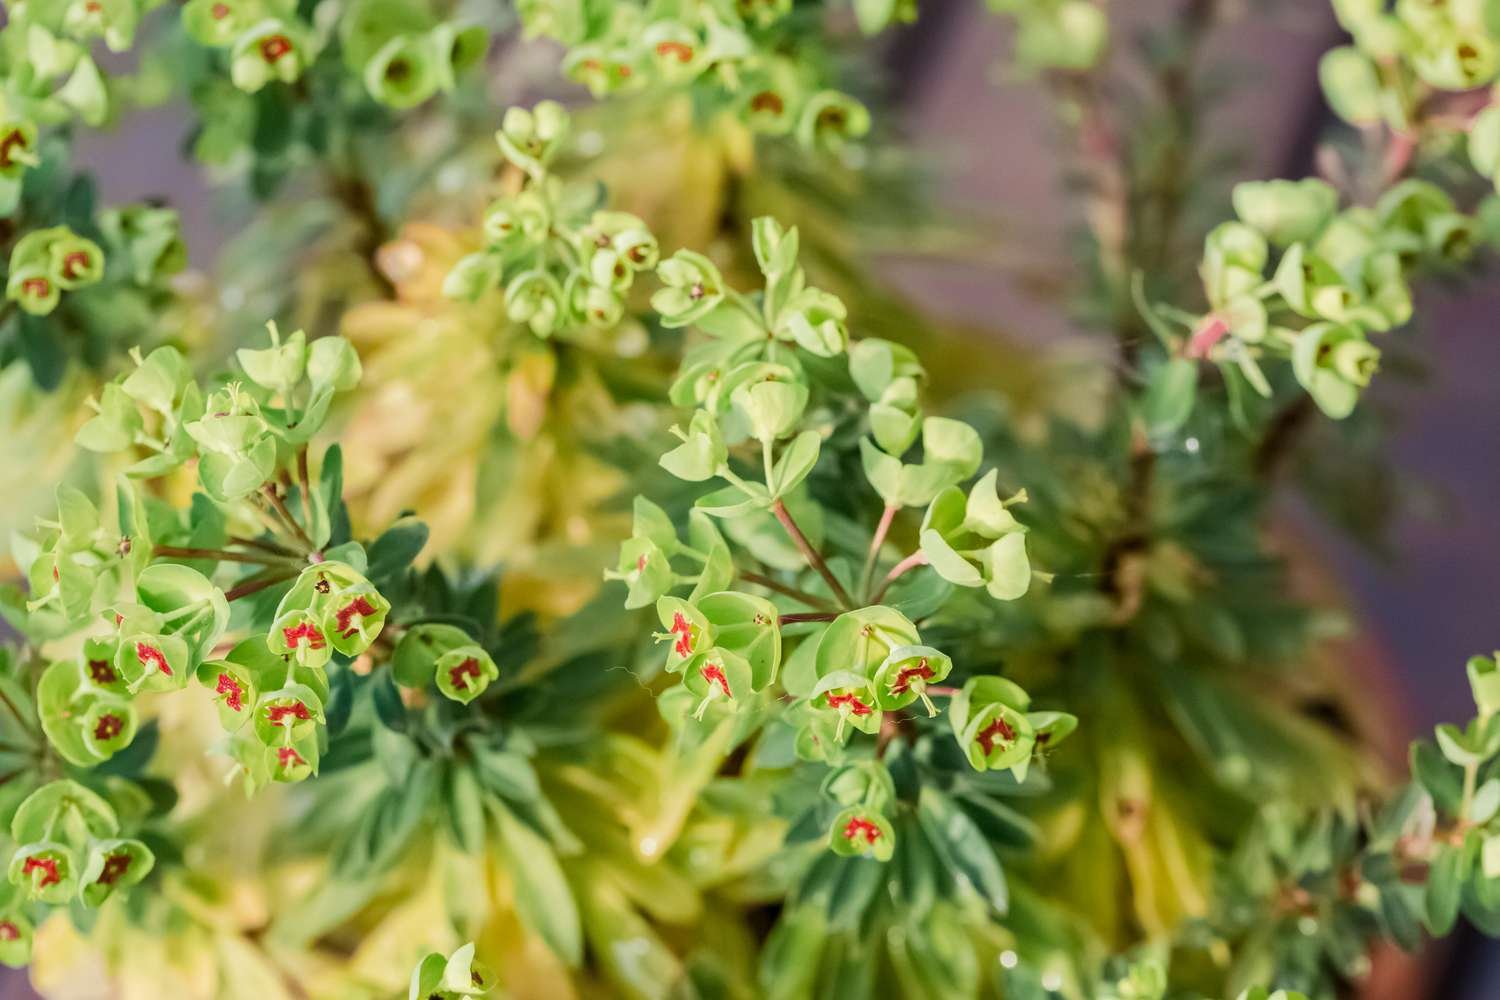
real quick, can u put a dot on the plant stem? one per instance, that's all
(810, 554)
(801, 596)
(814, 616)
(291, 522)
(264, 546)
(302, 484)
(220, 555)
(256, 585)
(918, 558)
(867, 577)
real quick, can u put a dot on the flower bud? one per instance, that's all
(405, 71)
(530, 138)
(693, 288)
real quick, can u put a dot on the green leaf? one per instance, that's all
(543, 896)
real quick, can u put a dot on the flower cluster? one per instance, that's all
(47, 262)
(779, 392)
(444, 654)
(1069, 35)
(749, 57)
(1297, 278)
(71, 851)
(266, 40)
(566, 266)
(1403, 54)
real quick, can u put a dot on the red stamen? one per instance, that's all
(147, 654)
(640, 563)
(219, 11)
(234, 695)
(287, 757)
(75, 263)
(859, 827)
(345, 615)
(307, 630)
(1000, 728)
(40, 287)
(768, 100)
(902, 683)
(9, 931)
(856, 707)
(9, 140)
(713, 674)
(684, 632)
(115, 866)
(108, 727)
(297, 710)
(468, 668)
(275, 47)
(682, 51)
(48, 868)
(100, 672)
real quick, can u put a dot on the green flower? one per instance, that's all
(113, 865)
(906, 673)
(17, 146)
(1333, 363)
(688, 631)
(271, 50)
(15, 940)
(858, 832)
(702, 452)
(217, 23)
(718, 676)
(1286, 212)
(405, 71)
(694, 287)
(465, 672)
(108, 726)
(521, 219)
(287, 715)
(33, 289)
(829, 120)
(354, 618)
(850, 698)
(988, 717)
(677, 52)
(153, 662)
(112, 20)
(47, 870)
(975, 541)
(530, 138)
(645, 569)
(300, 635)
(536, 299)
(770, 402)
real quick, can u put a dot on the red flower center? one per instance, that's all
(9, 931)
(75, 263)
(276, 713)
(287, 757)
(234, 695)
(100, 672)
(683, 629)
(856, 707)
(457, 676)
(640, 563)
(115, 866)
(295, 635)
(345, 615)
(40, 287)
(860, 827)
(681, 50)
(48, 868)
(904, 677)
(275, 47)
(219, 11)
(8, 142)
(108, 727)
(768, 100)
(998, 731)
(148, 655)
(714, 674)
